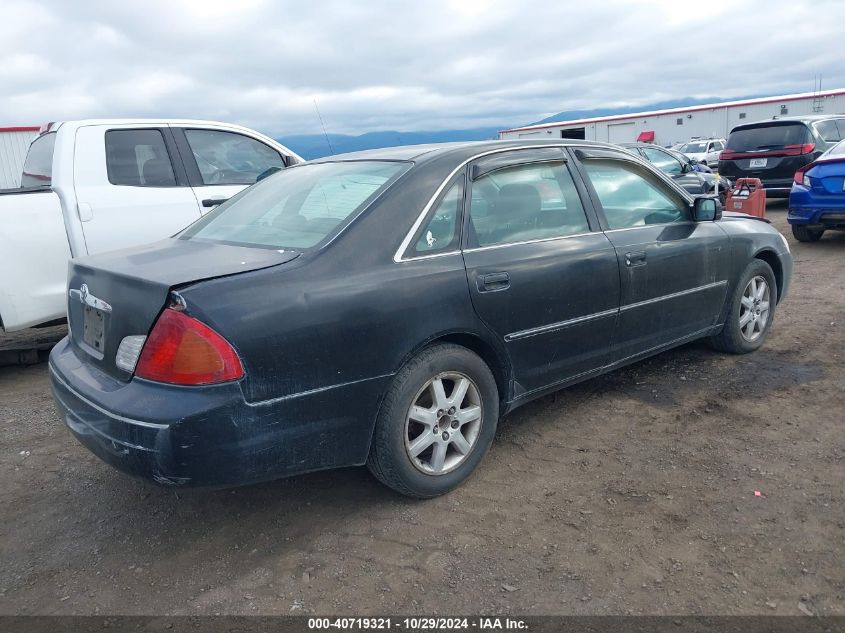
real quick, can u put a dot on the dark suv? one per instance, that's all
(775, 149)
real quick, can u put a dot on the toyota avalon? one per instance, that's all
(388, 307)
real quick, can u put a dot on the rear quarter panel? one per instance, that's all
(344, 314)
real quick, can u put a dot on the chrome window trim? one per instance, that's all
(397, 256)
(541, 239)
(648, 226)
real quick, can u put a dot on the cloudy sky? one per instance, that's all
(409, 65)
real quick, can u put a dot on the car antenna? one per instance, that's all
(323, 125)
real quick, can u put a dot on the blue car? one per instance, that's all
(817, 199)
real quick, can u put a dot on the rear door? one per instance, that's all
(673, 270)
(541, 274)
(130, 186)
(221, 163)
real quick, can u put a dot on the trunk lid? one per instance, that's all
(829, 175)
(119, 294)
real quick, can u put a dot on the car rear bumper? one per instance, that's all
(210, 436)
(807, 207)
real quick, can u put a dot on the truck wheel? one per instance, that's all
(436, 422)
(750, 312)
(805, 234)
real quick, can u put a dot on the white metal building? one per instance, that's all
(14, 143)
(667, 127)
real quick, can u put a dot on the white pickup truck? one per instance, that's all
(100, 185)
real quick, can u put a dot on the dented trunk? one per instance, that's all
(119, 294)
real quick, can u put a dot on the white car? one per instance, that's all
(100, 185)
(704, 150)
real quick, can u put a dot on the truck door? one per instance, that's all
(131, 187)
(221, 163)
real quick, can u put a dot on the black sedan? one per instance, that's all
(681, 169)
(388, 307)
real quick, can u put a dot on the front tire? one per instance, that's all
(436, 422)
(750, 312)
(805, 234)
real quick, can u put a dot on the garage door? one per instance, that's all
(620, 132)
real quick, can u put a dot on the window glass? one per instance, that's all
(525, 202)
(441, 233)
(836, 150)
(663, 161)
(767, 137)
(696, 147)
(718, 146)
(38, 166)
(138, 158)
(298, 207)
(629, 198)
(828, 131)
(227, 158)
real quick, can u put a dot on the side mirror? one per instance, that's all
(706, 210)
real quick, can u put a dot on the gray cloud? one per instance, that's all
(400, 65)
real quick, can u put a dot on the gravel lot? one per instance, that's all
(633, 493)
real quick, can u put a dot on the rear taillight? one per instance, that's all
(183, 351)
(798, 150)
(787, 150)
(801, 177)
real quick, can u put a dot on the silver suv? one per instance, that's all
(704, 150)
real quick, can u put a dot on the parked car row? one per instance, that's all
(799, 157)
(774, 150)
(682, 169)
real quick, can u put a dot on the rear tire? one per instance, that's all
(805, 234)
(436, 422)
(751, 311)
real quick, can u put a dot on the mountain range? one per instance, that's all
(318, 145)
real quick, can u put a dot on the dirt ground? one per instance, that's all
(633, 493)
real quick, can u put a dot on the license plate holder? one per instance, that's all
(758, 162)
(93, 329)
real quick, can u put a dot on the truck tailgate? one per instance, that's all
(33, 258)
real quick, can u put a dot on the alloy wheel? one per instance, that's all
(443, 423)
(754, 309)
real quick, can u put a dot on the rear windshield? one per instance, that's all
(766, 137)
(38, 166)
(296, 208)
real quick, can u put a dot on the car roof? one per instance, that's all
(431, 151)
(809, 118)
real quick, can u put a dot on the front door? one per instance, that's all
(221, 163)
(541, 274)
(673, 270)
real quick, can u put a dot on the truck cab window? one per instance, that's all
(227, 158)
(38, 166)
(138, 158)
